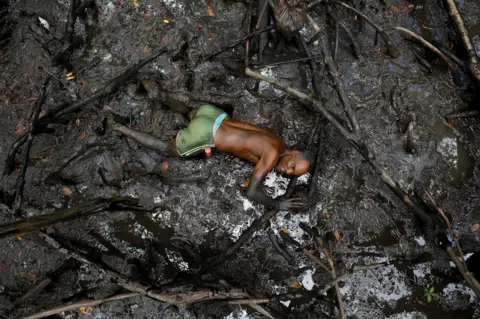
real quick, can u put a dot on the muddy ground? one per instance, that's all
(77, 163)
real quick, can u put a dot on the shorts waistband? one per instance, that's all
(218, 122)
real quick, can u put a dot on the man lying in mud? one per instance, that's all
(211, 127)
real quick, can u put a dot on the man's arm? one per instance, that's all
(254, 191)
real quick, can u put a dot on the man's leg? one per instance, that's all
(145, 139)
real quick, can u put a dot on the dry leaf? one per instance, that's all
(5, 101)
(337, 235)
(19, 238)
(450, 123)
(32, 100)
(296, 285)
(82, 136)
(166, 21)
(165, 164)
(411, 6)
(135, 4)
(25, 76)
(284, 230)
(18, 169)
(395, 8)
(379, 51)
(85, 310)
(32, 276)
(67, 191)
(355, 18)
(245, 184)
(210, 11)
(145, 48)
(77, 122)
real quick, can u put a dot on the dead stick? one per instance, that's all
(392, 49)
(333, 72)
(316, 260)
(21, 178)
(247, 43)
(85, 209)
(334, 275)
(472, 54)
(361, 148)
(464, 114)
(10, 160)
(427, 44)
(238, 42)
(83, 303)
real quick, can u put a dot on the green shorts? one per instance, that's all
(200, 131)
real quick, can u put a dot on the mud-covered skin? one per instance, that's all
(207, 216)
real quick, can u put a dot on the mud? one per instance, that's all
(204, 218)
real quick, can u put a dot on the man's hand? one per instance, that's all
(292, 203)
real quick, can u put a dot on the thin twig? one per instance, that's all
(83, 303)
(247, 43)
(273, 239)
(472, 282)
(333, 72)
(10, 160)
(472, 54)
(359, 146)
(295, 60)
(392, 49)
(238, 42)
(334, 275)
(21, 178)
(316, 260)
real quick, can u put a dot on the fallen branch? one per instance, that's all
(360, 147)
(21, 178)
(83, 303)
(392, 49)
(238, 42)
(273, 239)
(462, 268)
(427, 44)
(247, 43)
(10, 160)
(462, 30)
(35, 223)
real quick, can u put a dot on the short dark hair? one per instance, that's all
(307, 155)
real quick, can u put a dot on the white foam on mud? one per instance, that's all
(286, 303)
(303, 179)
(385, 284)
(269, 72)
(448, 149)
(291, 224)
(237, 230)
(276, 184)
(420, 240)
(176, 259)
(452, 293)
(238, 314)
(44, 23)
(408, 315)
(420, 271)
(307, 279)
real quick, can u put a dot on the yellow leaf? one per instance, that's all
(85, 310)
(67, 191)
(19, 238)
(355, 18)
(284, 230)
(165, 164)
(245, 184)
(296, 285)
(259, 91)
(145, 48)
(166, 21)
(77, 122)
(135, 3)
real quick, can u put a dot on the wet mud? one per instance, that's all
(201, 219)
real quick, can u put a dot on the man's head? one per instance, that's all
(295, 162)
